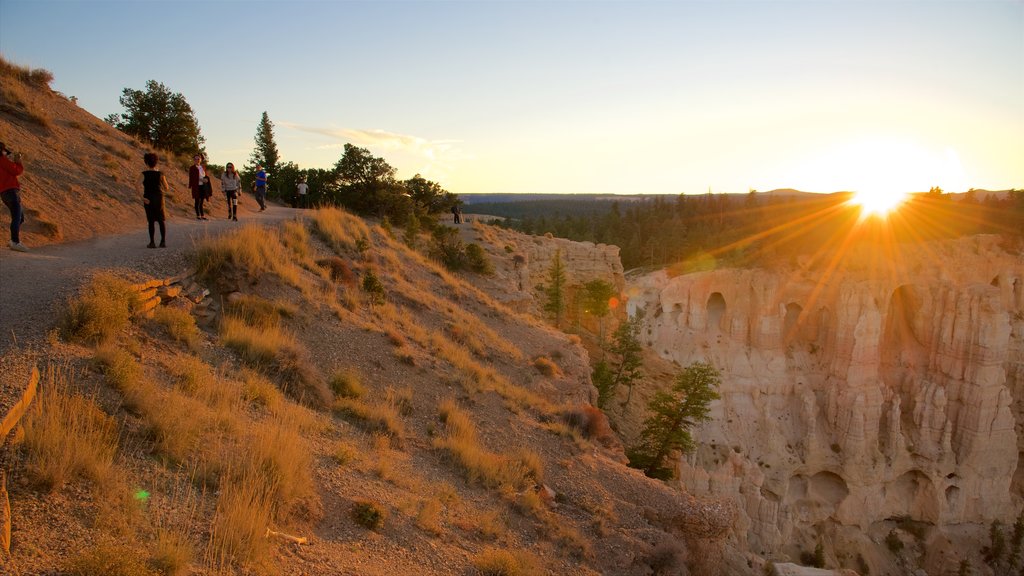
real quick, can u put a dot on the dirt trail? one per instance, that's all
(34, 284)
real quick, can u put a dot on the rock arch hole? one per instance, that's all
(828, 487)
(715, 310)
(913, 495)
(952, 498)
(901, 348)
(995, 282)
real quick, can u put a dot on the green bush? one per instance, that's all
(369, 515)
(478, 261)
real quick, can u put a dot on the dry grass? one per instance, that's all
(259, 312)
(347, 384)
(258, 390)
(238, 528)
(100, 312)
(506, 562)
(344, 452)
(547, 367)
(377, 417)
(275, 349)
(253, 250)
(339, 229)
(177, 424)
(109, 560)
(278, 455)
(173, 553)
(477, 463)
(199, 380)
(428, 518)
(67, 435)
(20, 99)
(179, 323)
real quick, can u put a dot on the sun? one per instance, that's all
(877, 201)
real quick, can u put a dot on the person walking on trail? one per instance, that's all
(260, 187)
(154, 186)
(456, 215)
(303, 189)
(196, 176)
(231, 183)
(10, 192)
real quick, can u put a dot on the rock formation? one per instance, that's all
(874, 390)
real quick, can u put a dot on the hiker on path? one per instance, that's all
(260, 187)
(196, 175)
(10, 192)
(456, 214)
(154, 185)
(231, 184)
(303, 189)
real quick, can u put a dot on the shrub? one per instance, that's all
(593, 423)
(36, 76)
(67, 435)
(344, 452)
(101, 310)
(179, 323)
(478, 261)
(504, 562)
(373, 287)
(339, 270)
(369, 514)
(347, 384)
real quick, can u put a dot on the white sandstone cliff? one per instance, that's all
(875, 390)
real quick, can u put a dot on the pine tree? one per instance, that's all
(555, 290)
(265, 154)
(597, 295)
(673, 414)
(161, 118)
(626, 345)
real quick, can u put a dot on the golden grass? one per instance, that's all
(199, 380)
(173, 553)
(179, 323)
(377, 417)
(258, 390)
(344, 452)
(547, 367)
(259, 312)
(253, 249)
(67, 435)
(278, 455)
(276, 349)
(428, 518)
(339, 229)
(347, 384)
(477, 463)
(19, 99)
(400, 398)
(176, 423)
(506, 562)
(108, 560)
(238, 528)
(100, 312)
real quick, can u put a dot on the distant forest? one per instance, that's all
(701, 231)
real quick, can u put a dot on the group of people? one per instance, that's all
(154, 188)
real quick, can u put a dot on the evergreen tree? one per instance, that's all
(626, 346)
(160, 118)
(597, 295)
(673, 414)
(265, 154)
(555, 290)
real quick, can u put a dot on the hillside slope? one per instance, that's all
(82, 177)
(316, 399)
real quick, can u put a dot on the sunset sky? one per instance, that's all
(572, 96)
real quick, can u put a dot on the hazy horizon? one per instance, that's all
(558, 97)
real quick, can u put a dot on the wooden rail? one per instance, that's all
(11, 419)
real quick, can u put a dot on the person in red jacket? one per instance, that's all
(10, 192)
(196, 175)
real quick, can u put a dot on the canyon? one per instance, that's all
(870, 394)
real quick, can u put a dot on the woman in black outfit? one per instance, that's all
(153, 187)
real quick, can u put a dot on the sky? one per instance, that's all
(622, 97)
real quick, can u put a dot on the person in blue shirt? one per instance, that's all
(260, 187)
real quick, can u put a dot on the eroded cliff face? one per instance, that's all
(875, 390)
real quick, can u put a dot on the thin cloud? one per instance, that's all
(437, 155)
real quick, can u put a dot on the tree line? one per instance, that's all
(699, 231)
(358, 181)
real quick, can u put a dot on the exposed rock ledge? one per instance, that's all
(888, 387)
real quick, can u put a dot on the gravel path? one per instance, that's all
(34, 284)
